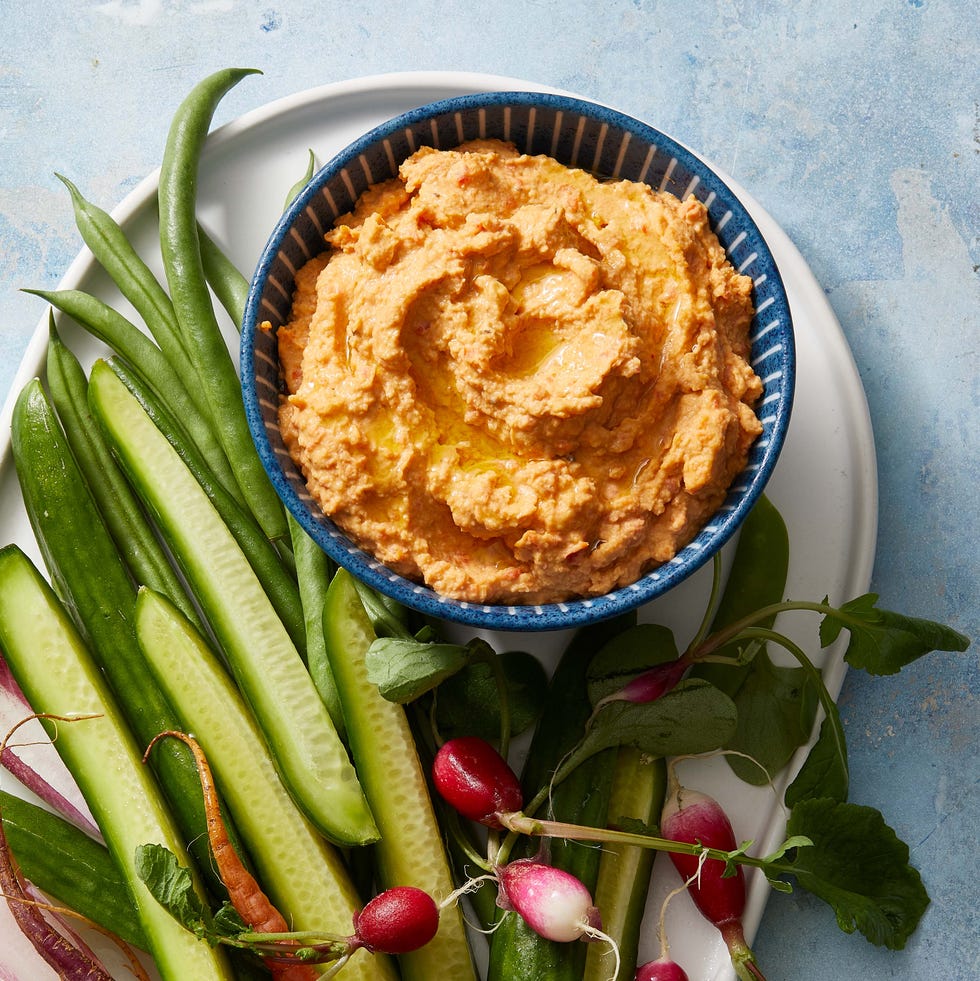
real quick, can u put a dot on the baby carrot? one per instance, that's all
(244, 892)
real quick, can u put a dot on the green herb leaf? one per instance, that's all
(825, 772)
(693, 718)
(794, 841)
(757, 579)
(860, 867)
(172, 886)
(228, 922)
(468, 703)
(404, 668)
(883, 642)
(776, 707)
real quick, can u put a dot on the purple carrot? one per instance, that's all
(59, 952)
(14, 706)
(34, 782)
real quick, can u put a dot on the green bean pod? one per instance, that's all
(133, 278)
(181, 250)
(126, 339)
(229, 285)
(127, 523)
(313, 573)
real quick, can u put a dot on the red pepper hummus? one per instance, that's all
(515, 382)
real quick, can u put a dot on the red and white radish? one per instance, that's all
(661, 970)
(553, 903)
(649, 686)
(693, 817)
(476, 780)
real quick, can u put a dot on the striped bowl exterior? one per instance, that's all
(578, 134)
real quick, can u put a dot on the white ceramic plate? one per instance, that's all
(824, 485)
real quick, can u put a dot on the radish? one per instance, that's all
(661, 970)
(476, 780)
(396, 921)
(691, 816)
(553, 902)
(650, 685)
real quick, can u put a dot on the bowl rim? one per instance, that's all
(523, 617)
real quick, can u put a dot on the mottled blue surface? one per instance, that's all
(855, 124)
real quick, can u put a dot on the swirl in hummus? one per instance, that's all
(515, 382)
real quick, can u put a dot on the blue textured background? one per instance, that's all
(855, 124)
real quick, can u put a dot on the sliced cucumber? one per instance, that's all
(91, 578)
(312, 760)
(638, 789)
(302, 874)
(410, 852)
(51, 664)
(63, 861)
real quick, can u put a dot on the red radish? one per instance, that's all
(661, 970)
(396, 921)
(691, 816)
(476, 780)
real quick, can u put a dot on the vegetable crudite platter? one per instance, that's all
(320, 713)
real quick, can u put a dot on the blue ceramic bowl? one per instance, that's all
(578, 134)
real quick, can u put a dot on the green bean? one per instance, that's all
(313, 572)
(132, 277)
(261, 553)
(125, 338)
(141, 549)
(181, 250)
(229, 285)
(302, 182)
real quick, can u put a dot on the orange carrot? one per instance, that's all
(244, 892)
